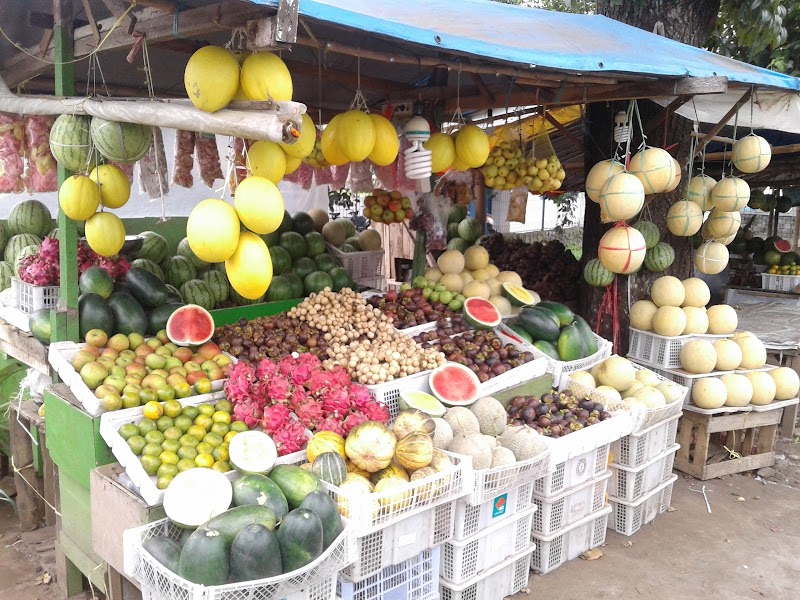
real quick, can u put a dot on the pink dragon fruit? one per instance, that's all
(352, 420)
(376, 411)
(237, 388)
(277, 389)
(359, 396)
(332, 423)
(290, 438)
(248, 412)
(310, 413)
(275, 418)
(266, 369)
(336, 402)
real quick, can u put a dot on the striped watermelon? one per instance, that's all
(240, 300)
(70, 143)
(17, 243)
(30, 216)
(178, 270)
(154, 247)
(659, 258)
(596, 274)
(650, 232)
(185, 251)
(149, 265)
(217, 282)
(196, 291)
(53, 234)
(173, 290)
(120, 142)
(23, 254)
(6, 273)
(3, 235)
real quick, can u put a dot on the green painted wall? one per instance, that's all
(173, 229)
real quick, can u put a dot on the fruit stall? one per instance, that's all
(251, 400)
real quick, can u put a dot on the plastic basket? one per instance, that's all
(638, 448)
(774, 405)
(316, 581)
(471, 519)
(573, 472)
(462, 560)
(489, 483)
(401, 541)
(554, 550)
(60, 357)
(779, 283)
(563, 510)
(361, 265)
(662, 351)
(631, 483)
(417, 577)
(505, 579)
(31, 298)
(628, 517)
(561, 368)
(389, 393)
(516, 376)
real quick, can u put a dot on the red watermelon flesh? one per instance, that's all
(190, 325)
(481, 314)
(454, 384)
(783, 246)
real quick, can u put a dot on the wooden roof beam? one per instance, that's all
(718, 127)
(776, 150)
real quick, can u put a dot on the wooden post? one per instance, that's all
(65, 320)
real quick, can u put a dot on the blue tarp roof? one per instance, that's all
(529, 36)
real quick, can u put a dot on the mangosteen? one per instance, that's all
(555, 430)
(483, 377)
(598, 407)
(499, 369)
(544, 421)
(517, 423)
(587, 405)
(541, 409)
(518, 401)
(582, 414)
(527, 414)
(605, 415)
(548, 398)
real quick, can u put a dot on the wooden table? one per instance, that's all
(24, 347)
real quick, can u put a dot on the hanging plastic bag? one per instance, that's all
(208, 158)
(359, 180)
(153, 168)
(184, 159)
(12, 143)
(42, 173)
(518, 205)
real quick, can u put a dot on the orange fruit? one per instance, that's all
(153, 410)
(172, 408)
(202, 386)
(204, 460)
(221, 417)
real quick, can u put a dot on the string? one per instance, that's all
(148, 73)
(319, 87)
(752, 101)
(735, 128)
(458, 117)
(359, 102)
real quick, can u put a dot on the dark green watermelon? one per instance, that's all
(94, 313)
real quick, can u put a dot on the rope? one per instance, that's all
(18, 471)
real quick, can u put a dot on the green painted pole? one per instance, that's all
(65, 319)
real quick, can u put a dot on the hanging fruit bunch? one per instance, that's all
(355, 136)
(466, 148)
(387, 207)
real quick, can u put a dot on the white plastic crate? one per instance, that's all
(370, 512)
(471, 519)
(361, 265)
(401, 541)
(638, 448)
(490, 483)
(561, 368)
(631, 483)
(505, 579)
(60, 357)
(389, 393)
(628, 517)
(557, 512)
(558, 548)
(516, 376)
(662, 351)
(779, 283)
(31, 298)
(316, 581)
(462, 560)
(417, 577)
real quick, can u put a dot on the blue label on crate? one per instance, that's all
(500, 505)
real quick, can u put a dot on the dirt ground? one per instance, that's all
(746, 548)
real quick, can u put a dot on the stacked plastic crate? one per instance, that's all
(572, 513)
(490, 554)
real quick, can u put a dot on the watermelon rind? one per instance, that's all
(254, 452)
(659, 258)
(519, 296)
(120, 142)
(451, 393)
(421, 401)
(30, 216)
(486, 321)
(196, 495)
(177, 329)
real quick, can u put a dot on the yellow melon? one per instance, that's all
(684, 218)
(709, 393)
(654, 167)
(355, 134)
(699, 191)
(729, 355)
(267, 159)
(667, 291)
(79, 197)
(249, 269)
(641, 315)
(305, 143)
(711, 258)
(452, 282)
(739, 389)
(616, 372)
(509, 277)
(676, 177)
(584, 378)
(212, 230)
(476, 289)
(669, 321)
(211, 78)
(622, 250)
(754, 354)
(621, 198)
(722, 319)
(764, 388)
(698, 356)
(696, 320)
(599, 174)
(472, 146)
(476, 257)
(730, 194)
(259, 204)
(451, 261)
(443, 151)
(329, 143)
(386, 144)
(751, 154)
(105, 233)
(115, 189)
(787, 383)
(696, 292)
(292, 164)
(266, 77)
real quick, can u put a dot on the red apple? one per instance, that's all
(193, 376)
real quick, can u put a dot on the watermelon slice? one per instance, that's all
(454, 384)
(190, 325)
(783, 246)
(481, 314)
(421, 401)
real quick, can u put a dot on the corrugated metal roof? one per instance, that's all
(537, 38)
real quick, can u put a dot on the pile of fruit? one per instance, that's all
(466, 148)
(414, 306)
(556, 331)
(270, 337)
(172, 438)
(341, 233)
(126, 371)
(387, 207)
(549, 268)
(482, 352)
(462, 231)
(556, 414)
(767, 202)
(507, 168)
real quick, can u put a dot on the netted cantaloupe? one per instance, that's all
(669, 321)
(442, 433)
(491, 415)
(616, 372)
(641, 315)
(696, 292)
(698, 356)
(461, 420)
(754, 354)
(667, 291)
(696, 320)
(787, 383)
(722, 319)
(523, 441)
(764, 388)
(709, 393)
(451, 261)
(473, 445)
(711, 257)
(502, 457)
(739, 389)
(729, 355)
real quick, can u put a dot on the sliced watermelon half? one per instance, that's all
(190, 325)
(481, 313)
(783, 246)
(454, 384)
